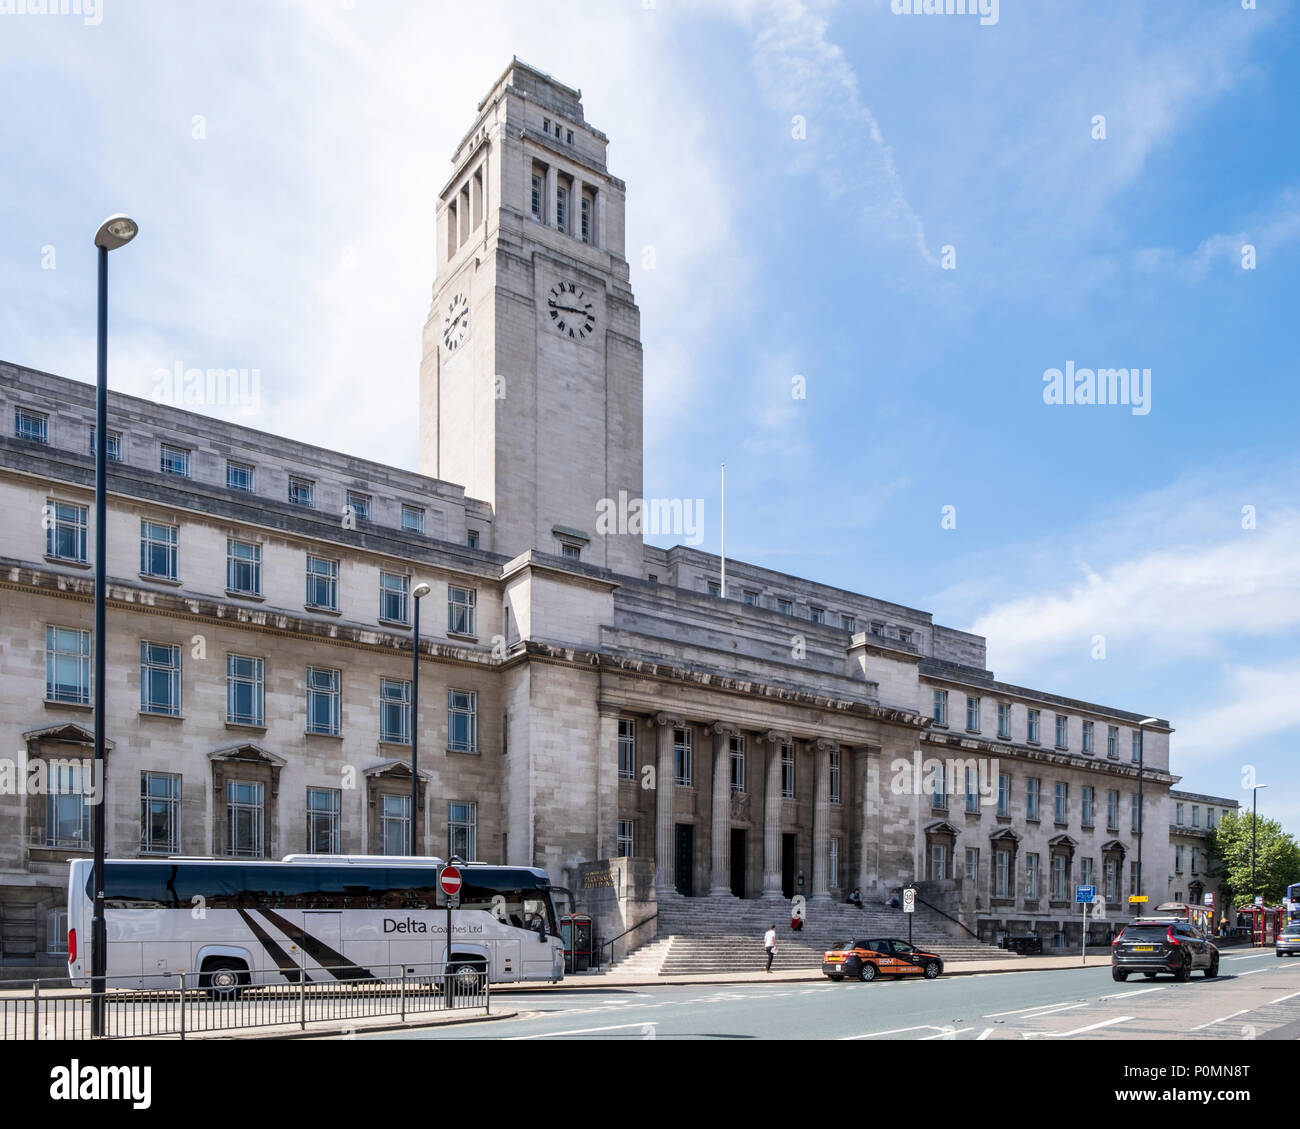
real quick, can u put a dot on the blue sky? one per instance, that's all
(283, 159)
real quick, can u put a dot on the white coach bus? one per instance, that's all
(336, 918)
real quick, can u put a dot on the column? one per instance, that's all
(772, 816)
(575, 227)
(605, 779)
(552, 181)
(720, 884)
(665, 882)
(862, 789)
(822, 750)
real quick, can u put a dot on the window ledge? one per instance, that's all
(320, 609)
(394, 744)
(458, 635)
(394, 623)
(53, 704)
(246, 726)
(162, 716)
(1004, 736)
(246, 595)
(67, 562)
(1062, 826)
(463, 752)
(1004, 819)
(169, 581)
(327, 736)
(973, 732)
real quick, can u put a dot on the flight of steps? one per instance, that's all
(725, 934)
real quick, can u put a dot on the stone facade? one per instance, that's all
(582, 696)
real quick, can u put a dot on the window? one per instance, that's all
(413, 519)
(972, 790)
(1137, 746)
(536, 196)
(322, 583)
(972, 715)
(562, 209)
(324, 821)
(471, 538)
(462, 722)
(571, 552)
(393, 590)
(1209, 818)
(1178, 814)
(324, 702)
(1196, 815)
(1087, 800)
(1087, 746)
(751, 599)
(1031, 875)
(737, 764)
(1110, 875)
(848, 623)
(246, 816)
(1033, 787)
(114, 445)
(67, 666)
(904, 635)
(787, 771)
(394, 711)
(626, 838)
(835, 777)
(938, 862)
(715, 588)
(1058, 878)
(972, 864)
(939, 795)
(1134, 814)
(239, 476)
(160, 813)
(157, 550)
(586, 215)
(1061, 808)
(626, 748)
(395, 824)
(546, 125)
(174, 460)
(941, 707)
(243, 567)
(1196, 862)
(460, 611)
(1085, 872)
(245, 690)
(67, 804)
(568, 134)
(302, 491)
(1112, 810)
(1004, 794)
(358, 506)
(1032, 723)
(1002, 874)
(462, 830)
(1178, 860)
(1112, 741)
(1133, 876)
(785, 607)
(833, 865)
(32, 426)
(1062, 732)
(817, 615)
(65, 532)
(682, 757)
(160, 679)
(1004, 720)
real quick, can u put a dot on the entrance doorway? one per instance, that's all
(738, 863)
(684, 856)
(787, 865)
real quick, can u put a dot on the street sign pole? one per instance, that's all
(1083, 941)
(909, 908)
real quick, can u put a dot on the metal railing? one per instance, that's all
(611, 942)
(190, 1005)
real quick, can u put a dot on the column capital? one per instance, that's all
(823, 745)
(775, 737)
(724, 729)
(662, 719)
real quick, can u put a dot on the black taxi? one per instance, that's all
(882, 956)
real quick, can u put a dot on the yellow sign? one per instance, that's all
(1136, 898)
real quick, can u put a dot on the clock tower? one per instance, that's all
(531, 379)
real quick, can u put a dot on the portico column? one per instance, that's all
(862, 787)
(720, 883)
(664, 793)
(822, 750)
(772, 816)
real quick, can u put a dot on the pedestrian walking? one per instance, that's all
(769, 943)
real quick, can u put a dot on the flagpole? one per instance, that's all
(724, 531)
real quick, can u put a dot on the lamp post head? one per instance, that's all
(1148, 721)
(420, 591)
(116, 231)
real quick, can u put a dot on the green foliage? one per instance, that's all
(1277, 858)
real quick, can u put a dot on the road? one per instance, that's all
(1255, 996)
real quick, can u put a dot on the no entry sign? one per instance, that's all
(449, 880)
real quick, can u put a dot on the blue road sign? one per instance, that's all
(1085, 895)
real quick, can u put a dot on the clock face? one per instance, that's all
(456, 324)
(572, 313)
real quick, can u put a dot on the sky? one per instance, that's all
(859, 239)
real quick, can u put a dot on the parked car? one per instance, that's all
(867, 959)
(1152, 945)
(1288, 941)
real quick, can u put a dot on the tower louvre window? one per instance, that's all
(562, 209)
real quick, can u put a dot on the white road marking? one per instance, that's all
(1252, 972)
(1281, 999)
(578, 1031)
(1080, 1030)
(984, 1034)
(1036, 1007)
(946, 1033)
(1225, 1019)
(896, 1031)
(1130, 995)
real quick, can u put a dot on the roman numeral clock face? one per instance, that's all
(456, 324)
(572, 314)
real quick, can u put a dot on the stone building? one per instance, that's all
(1194, 877)
(583, 696)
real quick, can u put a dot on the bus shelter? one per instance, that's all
(1265, 924)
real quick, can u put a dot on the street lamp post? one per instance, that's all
(116, 231)
(1141, 772)
(1254, 826)
(418, 592)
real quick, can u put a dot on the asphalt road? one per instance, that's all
(1256, 996)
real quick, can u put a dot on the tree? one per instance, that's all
(1277, 858)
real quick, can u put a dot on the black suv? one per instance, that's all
(1151, 945)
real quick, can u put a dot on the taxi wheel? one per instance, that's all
(931, 971)
(867, 973)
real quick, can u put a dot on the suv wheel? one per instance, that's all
(1116, 974)
(1213, 970)
(1184, 971)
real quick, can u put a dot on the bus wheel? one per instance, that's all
(465, 978)
(224, 979)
